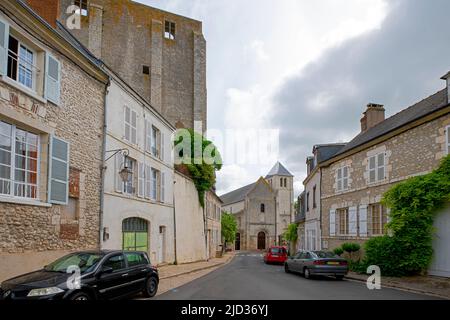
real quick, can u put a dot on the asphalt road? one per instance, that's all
(248, 278)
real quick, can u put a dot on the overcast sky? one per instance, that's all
(308, 68)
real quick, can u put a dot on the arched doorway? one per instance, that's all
(135, 234)
(261, 241)
(237, 243)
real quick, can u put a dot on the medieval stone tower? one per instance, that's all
(160, 54)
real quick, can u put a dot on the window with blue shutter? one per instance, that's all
(59, 171)
(4, 36)
(52, 79)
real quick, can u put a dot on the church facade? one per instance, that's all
(263, 209)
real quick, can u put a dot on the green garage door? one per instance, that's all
(135, 234)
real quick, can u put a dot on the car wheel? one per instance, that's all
(340, 277)
(80, 296)
(307, 273)
(286, 268)
(151, 287)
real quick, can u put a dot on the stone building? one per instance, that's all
(387, 151)
(51, 133)
(213, 213)
(263, 209)
(160, 54)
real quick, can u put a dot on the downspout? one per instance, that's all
(205, 227)
(103, 168)
(276, 224)
(320, 210)
(174, 222)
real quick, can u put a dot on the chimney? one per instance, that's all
(447, 79)
(47, 9)
(373, 115)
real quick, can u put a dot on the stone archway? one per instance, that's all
(261, 240)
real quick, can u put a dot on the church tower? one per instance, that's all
(282, 183)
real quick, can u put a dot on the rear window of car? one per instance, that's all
(135, 259)
(325, 254)
(277, 251)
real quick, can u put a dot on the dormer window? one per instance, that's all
(21, 63)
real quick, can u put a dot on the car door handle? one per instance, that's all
(125, 275)
(144, 270)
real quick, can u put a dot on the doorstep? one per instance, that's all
(428, 285)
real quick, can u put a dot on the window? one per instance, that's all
(343, 221)
(135, 259)
(307, 201)
(447, 131)
(21, 63)
(115, 262)
(377, 168)
(19, 160)
(314, 197)
(128, 186)
(378, 218)
(135, 234)
(83, 5)
(169, 30)
(263, 208)
(342, 179)
(155, 174)
(130, 125)
(155, 141)
(145, 69)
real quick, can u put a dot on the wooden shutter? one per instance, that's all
(58, 171)
(352, 221)
(52, 79)
(4, 45)
(163, 149)
(363, 220)
(141, 179)
(118, 183)
(148, 183)
(163, 187)
(332, 222)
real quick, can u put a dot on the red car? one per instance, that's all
(276, 254)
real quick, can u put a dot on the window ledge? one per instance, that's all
(23, 89)
(25, 202)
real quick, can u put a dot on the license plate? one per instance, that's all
(333, 263)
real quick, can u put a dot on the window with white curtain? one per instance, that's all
(19, 161)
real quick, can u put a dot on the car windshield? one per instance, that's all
(85, 261)
(277, 250)
(325, 254)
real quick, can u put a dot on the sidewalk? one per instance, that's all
(170, 271)
(429, 285)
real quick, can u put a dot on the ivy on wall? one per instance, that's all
(408, 250)
(201, 165)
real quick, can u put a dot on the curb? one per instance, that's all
(199, 269)
(391, 285)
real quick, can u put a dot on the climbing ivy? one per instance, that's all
(413, 203)
(201, 158)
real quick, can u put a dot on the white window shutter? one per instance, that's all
(59, 171)
(163, 187)
(163, 149)
(141, 180)
(118, 183)
(147, 144)
(4, 44)
(52, 79)
(353, 221)
(332, 222)
(147, 182)
(363, 220)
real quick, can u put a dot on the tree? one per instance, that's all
(229, 228)
(291, 235)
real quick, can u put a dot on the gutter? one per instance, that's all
(103, 168)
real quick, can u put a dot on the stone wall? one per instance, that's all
(414, 152)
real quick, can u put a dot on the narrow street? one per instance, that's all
(248, 278)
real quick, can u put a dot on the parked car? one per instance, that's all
(103, 275)
(311, 263)
(276, 254)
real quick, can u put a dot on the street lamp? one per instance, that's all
(125, 173)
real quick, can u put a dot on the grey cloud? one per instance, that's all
(396, 65)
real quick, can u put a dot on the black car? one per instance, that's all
(102, 275)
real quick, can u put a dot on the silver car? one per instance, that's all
(311, 263)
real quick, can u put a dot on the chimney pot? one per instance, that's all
(374, 114)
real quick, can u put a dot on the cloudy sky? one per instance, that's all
(308, 68)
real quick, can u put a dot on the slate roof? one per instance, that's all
(427, 106)
(279, 170)
(327, 151)
(237, 195)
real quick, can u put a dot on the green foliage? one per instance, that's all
(357, 266)
(351, 247)
(291, 234)
(413, 205)
(202, 169)
(229, 227)
(338, 251)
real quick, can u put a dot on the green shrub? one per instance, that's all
(351, 247)
(338, 251)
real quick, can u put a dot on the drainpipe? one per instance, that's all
(276, 225)
(174, 223)
(205, 227)
(103, 168)
(320, 210)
